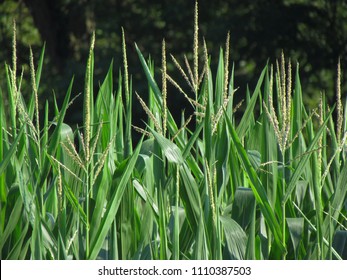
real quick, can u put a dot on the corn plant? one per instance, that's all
(268, 185)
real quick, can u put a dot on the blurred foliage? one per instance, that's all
(313, 32)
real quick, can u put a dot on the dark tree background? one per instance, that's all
(313, 32)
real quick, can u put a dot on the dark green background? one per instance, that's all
(311, 32)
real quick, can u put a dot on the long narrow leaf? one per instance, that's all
(298, 171)
(113, 205)
(257, 187)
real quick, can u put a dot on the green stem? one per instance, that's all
(284, 204)
(88, 188)
(176, 226)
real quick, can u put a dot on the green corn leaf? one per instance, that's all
(101, 197)
(12, 221)
(149, 76)
(338, 200)
(172, 126)
(7, 158)
(219, 90)
(55, 138)
(112, 206)
(37, 250)
(18, 248)
(170, 149)
(75, 203)
(298, 171)
(248, 114)
(236, 238)
(200, 249)
(190, 196)
(242, 206)
(257, 187)
(39, 66)
(296, 230)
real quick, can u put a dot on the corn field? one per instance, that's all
(268, 185)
